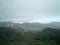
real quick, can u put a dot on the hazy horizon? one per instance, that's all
(42, 11)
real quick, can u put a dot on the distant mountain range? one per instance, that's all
(30, 26)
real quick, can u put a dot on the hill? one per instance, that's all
(9, 36)
(49, 34)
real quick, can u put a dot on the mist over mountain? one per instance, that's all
(30, 26)
(29, 33)
(49, 34)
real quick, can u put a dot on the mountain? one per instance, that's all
(40, 26)
(11, 25)
(9, 36)
(33, 26)
(30, 26)
(49, 35)
(13, 33)
(27, 26)
(49, 31)
(55, 25)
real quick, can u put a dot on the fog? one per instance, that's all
(43, 11)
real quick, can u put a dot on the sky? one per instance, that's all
(43, 11)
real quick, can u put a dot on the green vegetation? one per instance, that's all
(15, 35)
(10, 36)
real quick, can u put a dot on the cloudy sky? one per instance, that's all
(43, 11)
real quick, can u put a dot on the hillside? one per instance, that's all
(9, 36)
(36, 33)
(49, 34)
